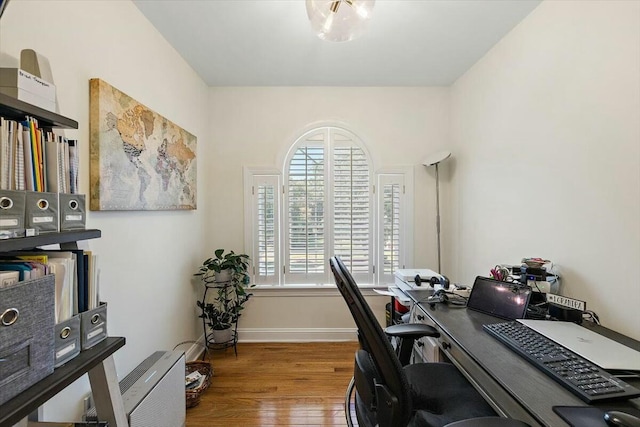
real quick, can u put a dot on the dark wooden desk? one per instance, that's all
(513, 386)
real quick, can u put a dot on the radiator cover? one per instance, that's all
(153, 393)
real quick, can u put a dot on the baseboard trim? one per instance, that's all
(196, 350)
(296, 334)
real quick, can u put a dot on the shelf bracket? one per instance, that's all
(106, 394)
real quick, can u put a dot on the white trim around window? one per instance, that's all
(394, 221)
(262, 224)
(356, 215)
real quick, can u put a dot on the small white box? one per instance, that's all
(29, 97)
(20, 79)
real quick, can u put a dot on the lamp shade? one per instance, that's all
(339, 20)
(436, 158)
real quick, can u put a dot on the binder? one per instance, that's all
(52, 161)
(41, 212)
(75, 275)
(73, 213)
(12, 214)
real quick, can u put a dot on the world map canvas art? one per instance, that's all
(139, 159)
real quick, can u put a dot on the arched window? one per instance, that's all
(328, 206)
(323, 203)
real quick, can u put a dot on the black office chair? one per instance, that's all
(419, 395)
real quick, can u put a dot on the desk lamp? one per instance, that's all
(433, 160)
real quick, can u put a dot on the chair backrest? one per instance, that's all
(374, 340)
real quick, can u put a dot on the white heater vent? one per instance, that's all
(153, 393)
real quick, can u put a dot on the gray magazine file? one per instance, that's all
(12, 214)
(93, 326)
(26, 334)
(42, 212)
(67, 340)
(73, 213)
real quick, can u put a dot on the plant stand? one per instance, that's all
(209, 340)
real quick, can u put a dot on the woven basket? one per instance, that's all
(193, 395)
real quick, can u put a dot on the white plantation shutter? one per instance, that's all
(266, 231)
(352, 237)
(328, 203)
(306, 225)
(391, 195)
(324, 205)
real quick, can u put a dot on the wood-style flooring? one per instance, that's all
(277, 384)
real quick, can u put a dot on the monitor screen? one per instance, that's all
(500, 299)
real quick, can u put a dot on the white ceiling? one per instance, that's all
(270, 42)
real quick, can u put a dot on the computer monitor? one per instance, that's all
(501, 299)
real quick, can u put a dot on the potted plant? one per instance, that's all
(226, 274)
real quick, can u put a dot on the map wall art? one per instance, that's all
(139, 159)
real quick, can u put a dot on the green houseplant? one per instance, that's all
(227, 275)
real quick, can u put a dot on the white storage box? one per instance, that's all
(26, 87)
(29, 97)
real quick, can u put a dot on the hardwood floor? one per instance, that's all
(277, 384)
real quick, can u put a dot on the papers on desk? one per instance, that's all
(596, 348)
(395, 292)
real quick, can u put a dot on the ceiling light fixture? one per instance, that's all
(339, 20)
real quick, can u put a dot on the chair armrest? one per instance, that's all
(411, 331)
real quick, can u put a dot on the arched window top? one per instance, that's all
(327, 137)
(328, 205)
(323, 202)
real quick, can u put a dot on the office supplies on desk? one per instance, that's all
(500, 299)
(406, 280)
(596, 348)
(579, 376)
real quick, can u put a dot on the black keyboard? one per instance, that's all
(581, 377)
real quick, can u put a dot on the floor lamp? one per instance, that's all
(433, 160)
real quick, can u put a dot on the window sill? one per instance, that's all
(308, 290)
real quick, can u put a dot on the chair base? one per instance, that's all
(488, 422)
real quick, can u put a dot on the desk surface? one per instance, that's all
(528, 388)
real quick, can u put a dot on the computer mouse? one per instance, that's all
(621, 419)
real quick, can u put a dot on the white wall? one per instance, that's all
(546, 136)
(146, 258)
(255, 126)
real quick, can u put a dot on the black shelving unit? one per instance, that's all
(63, 237)
(29, 400)
(96, 361)
(14, 109)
